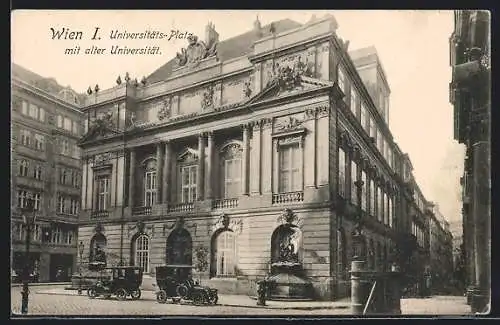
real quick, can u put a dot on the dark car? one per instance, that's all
(120, 281)
(175, 282)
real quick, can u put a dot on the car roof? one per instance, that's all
(177, 266)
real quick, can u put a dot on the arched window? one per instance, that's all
(231, 170)
(223, 254)
(98, 245)
(179, 247)
(150, 182)
(141, 252)
(23, 167)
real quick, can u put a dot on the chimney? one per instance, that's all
(211, 36)
(257, 27)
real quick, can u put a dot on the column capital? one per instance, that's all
(209, 134)
(247, 126)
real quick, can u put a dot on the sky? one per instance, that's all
(412, 46)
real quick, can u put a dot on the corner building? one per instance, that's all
(199, 163)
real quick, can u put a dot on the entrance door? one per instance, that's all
(61, 267)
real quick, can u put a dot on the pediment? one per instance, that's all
(188, 155)
(285, 86)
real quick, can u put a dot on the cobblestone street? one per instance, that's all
(44, 303)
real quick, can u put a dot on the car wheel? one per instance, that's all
(121, 294)
(136, 294)
(161, 297)
(199, 299)
(214, 298)
(92, 293)
(182, 291)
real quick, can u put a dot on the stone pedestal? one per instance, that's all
(288, 283)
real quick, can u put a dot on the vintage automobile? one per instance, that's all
(120, 281)
(176, 283)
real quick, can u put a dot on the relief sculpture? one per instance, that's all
(196, 51)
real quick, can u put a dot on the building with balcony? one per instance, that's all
(242, 155)
(46, 126)
(470, 95)
(440, 251)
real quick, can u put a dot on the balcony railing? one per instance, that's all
(181, 207)
(145, 210)
(225, 203)
(289, 197)
(99, 214)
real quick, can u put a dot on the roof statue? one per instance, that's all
(198, 50)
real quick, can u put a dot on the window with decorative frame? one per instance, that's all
(150, 186)
(290, 165)
(37, 198)
(354, 100)
(61, 204)
(23, 167)
(68, 124)
(373, 197)
(141, 252)
(63, 174)
(103, 192)
(39, 142)
(188, 183)
(41, 114)
(373, 128)
(363, 190)
(60, 121)
(74, 127)
(231, 169)
(354, 178)
(22, 198)
(364, 117)
(37, 172)
(379, 204)
(341, 80)
(386, 210)
(25, 137)
(73, 209)
(25, 108)
(391, 212)
(342, 173)
(33, 111)
(56, 235)
(225, 254)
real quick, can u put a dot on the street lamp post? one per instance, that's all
(29, 218)
(358, 259)
(80, 250)
(358, 238)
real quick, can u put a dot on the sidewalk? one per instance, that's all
(231, 301)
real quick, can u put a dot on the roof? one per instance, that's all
(231, 48)
(49, 85)
(367, 55)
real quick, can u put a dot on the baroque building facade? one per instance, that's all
(46, 125)
(243, 154)
(470, 95)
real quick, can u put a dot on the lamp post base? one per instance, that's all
(25, 298)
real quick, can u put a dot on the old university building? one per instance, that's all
(46, 126)
(241, 156)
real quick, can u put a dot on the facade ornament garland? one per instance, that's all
(289, 123)
(166, 109)
(178, 224)
(207, 100)
(224, 222)
(141, 228)
(289, 217)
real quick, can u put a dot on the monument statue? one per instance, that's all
(196, 51)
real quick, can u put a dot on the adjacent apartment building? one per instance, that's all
(241, 157)
(470, 94)
(46, 166)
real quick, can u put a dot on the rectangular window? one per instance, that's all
(25, 108)
(373, 197)
(380, 140)
(63, 175)
(342, 173)
(150, 188)
(37, 197)
(354, 176)
(65, 147)
(386, 211)
(188, 185)
(76, 152)
(363, 190)
(37, 172)
(232, 178)
(41, 115)
(363, 117)
(22, 198)
(56, 236)
(33, 111)
(290, 177)
(354, 100)
(60, 121)
(341, 80)
(373, 128)
(391, 212)
(67, 124)
(103, 192)
(379, 204)
(25, 138)
(39, 142)
(225, 254)
(75, 128)
(73, 207)
(61, 204)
